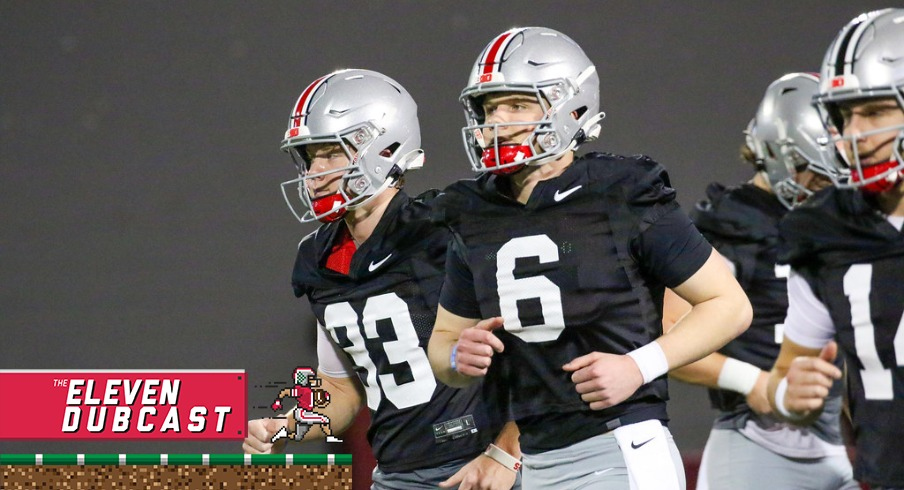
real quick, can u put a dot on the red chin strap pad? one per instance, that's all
(507, 154)
(326, 204)
(880, 185)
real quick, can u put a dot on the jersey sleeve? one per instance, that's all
(671, 248)
(332, 361)
(458, 295)
(808, 322)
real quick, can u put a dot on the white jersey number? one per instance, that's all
(781, 272)
(404, 350)
(512, 290)
(877, 380)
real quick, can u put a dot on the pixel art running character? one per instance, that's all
(309, 397)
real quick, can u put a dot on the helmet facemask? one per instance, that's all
(354, 188)
(875, 178)
(789, 191)
(784, 164)
(544, 143)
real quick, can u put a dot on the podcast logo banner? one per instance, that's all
(113, 404)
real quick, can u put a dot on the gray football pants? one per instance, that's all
(422, 479)
(732, 461)
(594, 463)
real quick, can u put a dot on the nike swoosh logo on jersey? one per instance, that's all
(562, 195)
(376, 265)
(634, 445)
(601, 472)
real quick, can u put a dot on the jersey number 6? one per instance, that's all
(512, 290)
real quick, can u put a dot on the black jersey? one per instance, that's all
(581, 267)
(381, 314)
(742, 224)
(853, 260)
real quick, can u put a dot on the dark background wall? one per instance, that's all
(141, 224)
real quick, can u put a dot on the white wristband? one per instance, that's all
(780, 401)
(738, 376)
(505, 459)
(651, 361)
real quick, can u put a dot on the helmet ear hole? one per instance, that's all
(390, 150)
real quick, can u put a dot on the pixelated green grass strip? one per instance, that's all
(175, 459)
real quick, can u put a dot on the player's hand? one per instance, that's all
(476, 346)
(260, 431)
(756, 399)
(481, 473)
(810, 379)
(604, 380)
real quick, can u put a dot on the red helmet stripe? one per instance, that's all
(496, 50)
(301, 107)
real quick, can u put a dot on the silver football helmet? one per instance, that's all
(748, 137)
(373, 119)
(305, 376)
(549, 66)
(865, 61)
(787, 136)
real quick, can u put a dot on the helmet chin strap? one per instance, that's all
(329, 208)
(506, 155)
(412, 160)
(883, 184)
(552, 158)
(590, 131)
(509, 154)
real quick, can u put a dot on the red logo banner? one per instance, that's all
(113, 404)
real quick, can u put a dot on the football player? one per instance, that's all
(372, 272)
(748, 448)
(555, 277)
(846, 250)
(309, 396)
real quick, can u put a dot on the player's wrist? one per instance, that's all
(738, 376)
(499, 455)
(651, 361)
(780, 392)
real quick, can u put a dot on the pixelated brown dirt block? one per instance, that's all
(221, 477)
